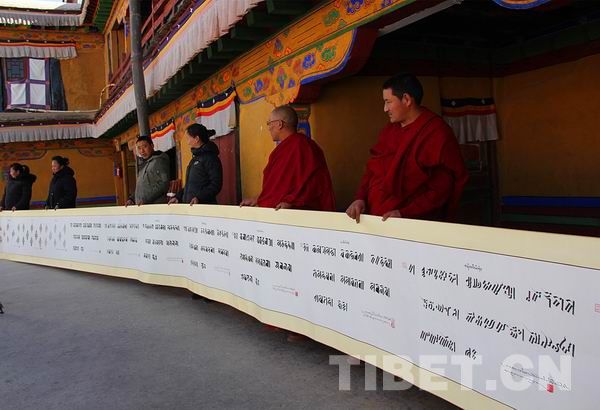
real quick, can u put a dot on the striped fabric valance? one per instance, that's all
(207, 23)
(17, 49)
(163, 136)
(39, 13)
(471, 119)
(59, 131)
(218, 113)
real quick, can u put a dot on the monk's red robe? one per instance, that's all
(416, 169)
(297, 173)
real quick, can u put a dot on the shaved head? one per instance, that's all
(286, 114)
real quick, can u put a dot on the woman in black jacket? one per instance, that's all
(17, 192)
(63, 187)
(204, 175)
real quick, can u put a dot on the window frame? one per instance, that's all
(27, 81)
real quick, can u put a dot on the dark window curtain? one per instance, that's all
(58, 101)
(1, 86)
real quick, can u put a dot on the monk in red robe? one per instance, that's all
(296, 175)
(415, 169)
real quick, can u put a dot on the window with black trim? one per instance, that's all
(31, 83)
(15, 69)
(27, 83)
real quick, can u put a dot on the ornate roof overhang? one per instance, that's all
(26, 126)
(205, 25)
(35, 49)
(42, 13)
(256, 26)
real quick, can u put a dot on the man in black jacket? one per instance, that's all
(204, 175)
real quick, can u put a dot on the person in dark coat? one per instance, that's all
(17, 192)
(204, 175)
(63, 187)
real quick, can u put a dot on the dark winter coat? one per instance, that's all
(204, 175)
(63, 190)
(17, 192)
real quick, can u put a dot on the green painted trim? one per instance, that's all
(102, 14)
(548, 219)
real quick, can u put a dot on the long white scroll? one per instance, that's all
(485, 318)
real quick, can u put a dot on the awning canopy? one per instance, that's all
(30, 126)
(16, 49)
(210, 21)
(42, 13)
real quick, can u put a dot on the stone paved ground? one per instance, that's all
(73, 340)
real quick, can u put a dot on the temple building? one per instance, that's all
(513, 78)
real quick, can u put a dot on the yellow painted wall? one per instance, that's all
(185, 151)
(548, 120)
(83, 78)
(94, 175)
(255, 145)
(346, 121)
